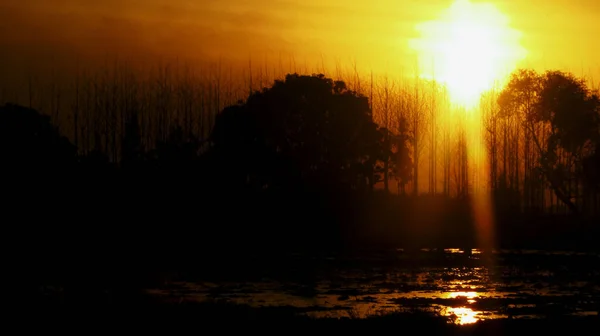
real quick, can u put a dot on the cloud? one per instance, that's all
(130, 29)
(33, 32)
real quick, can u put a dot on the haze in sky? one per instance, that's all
(375, 34)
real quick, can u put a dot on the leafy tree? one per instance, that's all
(304, 129)
(561, 114)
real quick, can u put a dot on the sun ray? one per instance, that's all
(470, 48)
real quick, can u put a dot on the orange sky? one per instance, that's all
(375, 33)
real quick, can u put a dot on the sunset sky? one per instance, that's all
(556, 33)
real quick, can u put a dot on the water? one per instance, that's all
(466, 286)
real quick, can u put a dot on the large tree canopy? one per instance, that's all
(561, 114)
(305, 129)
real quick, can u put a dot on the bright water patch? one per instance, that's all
(464, 285)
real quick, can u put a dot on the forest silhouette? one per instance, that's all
(301, 165)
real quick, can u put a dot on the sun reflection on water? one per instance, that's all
(460, 293)
(462, 315)
(470, 296)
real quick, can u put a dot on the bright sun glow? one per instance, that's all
(470, 48)
(463, 315)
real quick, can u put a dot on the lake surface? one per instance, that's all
(464, 285)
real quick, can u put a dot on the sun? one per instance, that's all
(470, 48)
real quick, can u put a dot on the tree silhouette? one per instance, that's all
(178, 152)
(306, 130)
(560, 114)
(397, 153)
(591, 170)
(30, 144)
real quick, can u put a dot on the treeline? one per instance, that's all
(308, 150)
(94, 109)
(292, 157)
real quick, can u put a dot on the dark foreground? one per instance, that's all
(153, 317)
(557, 283)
